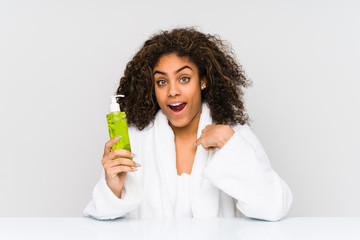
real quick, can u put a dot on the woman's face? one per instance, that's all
(177, 89)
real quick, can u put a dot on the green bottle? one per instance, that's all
(117, 125)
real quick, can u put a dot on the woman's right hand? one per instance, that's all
(116, 165)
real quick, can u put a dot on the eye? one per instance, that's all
(161, 82)
(184, 79)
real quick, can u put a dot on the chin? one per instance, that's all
(178, 123)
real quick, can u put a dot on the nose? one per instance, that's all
(173, 90)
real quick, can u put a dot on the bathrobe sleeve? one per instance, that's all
(242, 170)
(104, 203)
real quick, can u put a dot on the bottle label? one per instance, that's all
(118, 127)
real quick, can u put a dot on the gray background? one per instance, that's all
(61, 60)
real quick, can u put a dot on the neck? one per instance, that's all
(189, 130)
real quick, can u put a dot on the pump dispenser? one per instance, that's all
(117, 125)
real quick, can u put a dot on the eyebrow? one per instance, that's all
(179, 70)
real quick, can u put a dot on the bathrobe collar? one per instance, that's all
(202, 192)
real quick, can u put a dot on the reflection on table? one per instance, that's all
(222, 228)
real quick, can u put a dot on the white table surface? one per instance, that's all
(219, 229)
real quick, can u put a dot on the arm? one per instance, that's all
(116, 193)
(242, 170)
(106, 205)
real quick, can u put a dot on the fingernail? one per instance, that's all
(134, 169)
(133, 155)
(137, 165)
(118, 137)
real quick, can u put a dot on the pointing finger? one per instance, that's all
(197, 142)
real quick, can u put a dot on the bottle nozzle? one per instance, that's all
(114, 106)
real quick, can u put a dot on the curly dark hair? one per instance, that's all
(215, 61)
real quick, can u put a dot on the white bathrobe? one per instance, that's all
(236, 178)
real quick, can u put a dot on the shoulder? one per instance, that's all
(241, 128)
(135, 132)
(247, 134)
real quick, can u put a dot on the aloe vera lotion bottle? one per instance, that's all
(117, 125)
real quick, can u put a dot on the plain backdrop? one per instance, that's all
(61, 60)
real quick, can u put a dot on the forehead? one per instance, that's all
(173, 62)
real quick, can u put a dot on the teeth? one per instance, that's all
(175, 104)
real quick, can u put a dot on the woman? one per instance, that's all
(189, 129)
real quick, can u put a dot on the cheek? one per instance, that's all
(159, 96)
(197, 95)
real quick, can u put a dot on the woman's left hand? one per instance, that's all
(214, 136)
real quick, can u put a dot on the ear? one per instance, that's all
(203, 82)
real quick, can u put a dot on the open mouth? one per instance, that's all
(177, 107)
